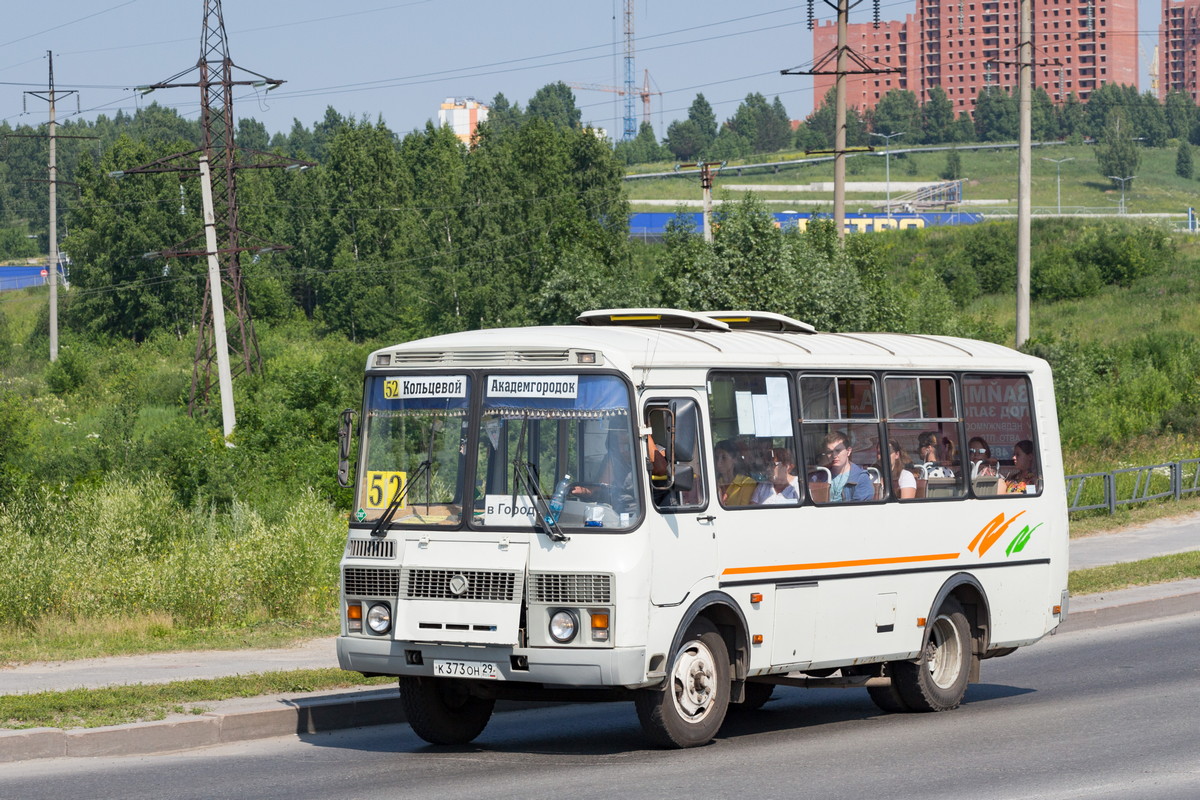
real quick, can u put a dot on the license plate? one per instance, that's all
(484, 670)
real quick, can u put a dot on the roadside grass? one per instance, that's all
(1136, 573)
(118, 705)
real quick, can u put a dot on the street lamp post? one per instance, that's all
(1123, 182)
(1058, 162)
(887, 164)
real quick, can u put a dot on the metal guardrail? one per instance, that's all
(1107, 490)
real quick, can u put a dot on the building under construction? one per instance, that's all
(967, 45)
(1178, 46)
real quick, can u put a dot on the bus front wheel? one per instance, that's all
(937, 680)
(443, 711)
(689, 709)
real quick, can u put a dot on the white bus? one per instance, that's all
(688, 509)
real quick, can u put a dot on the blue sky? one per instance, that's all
(399, 60)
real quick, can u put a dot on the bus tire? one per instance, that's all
(689, 709)
(938, 679)
(443, 711)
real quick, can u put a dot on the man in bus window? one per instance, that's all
(849, 483)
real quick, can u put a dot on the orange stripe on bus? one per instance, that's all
(865, 562)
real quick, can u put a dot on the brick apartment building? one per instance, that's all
(1178, 41)
(964, 45)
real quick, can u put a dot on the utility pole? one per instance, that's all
(706, 183)
(224, 376)
(51, 96)
(842, 55)
(1024, 169)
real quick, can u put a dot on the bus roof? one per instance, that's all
(692, 340)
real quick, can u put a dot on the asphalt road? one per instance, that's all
(1101, 713)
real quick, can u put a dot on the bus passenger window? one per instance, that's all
(922, 422)
(753, 439)
(998, 414)
(842, 439)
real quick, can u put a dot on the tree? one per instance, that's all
(937, 118)
(701, 113)
(116, 292)
(816, 132)
(1043, 124)
(953, 170)
(764, 128)
(643, 149)
(897, 112)
(685, 141)
(555, 103)
(1072, 119)
(996, 117)
(1183, 160)
(1180, 114)
(503, 115)
(252, 134)
(1117, 155)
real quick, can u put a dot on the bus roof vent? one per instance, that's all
(652, 318)
(760, 321)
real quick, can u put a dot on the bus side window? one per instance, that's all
(676, 474)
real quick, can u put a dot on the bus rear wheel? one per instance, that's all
(689, 709)
(937, 681)
(443, 711)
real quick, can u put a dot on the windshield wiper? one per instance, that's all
(424, 468)
(523, 476)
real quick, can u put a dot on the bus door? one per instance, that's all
(682, 535)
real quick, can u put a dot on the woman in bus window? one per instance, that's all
(1025, 474)
(980, 455)
(735, 487)
(904, 483)
(782, 485)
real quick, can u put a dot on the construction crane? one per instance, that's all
(645, 93)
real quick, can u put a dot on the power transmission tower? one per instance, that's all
(841, 54)
(224, 159)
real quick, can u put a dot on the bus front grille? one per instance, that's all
(439, 584)
(369, 582)
(572, 588)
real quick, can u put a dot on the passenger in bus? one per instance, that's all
(1025, 475)
(980, 455)
(927, 447)
(849, 483)
(733, 485)
(782, 487)
(904, 483)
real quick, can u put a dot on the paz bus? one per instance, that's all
(688, 509)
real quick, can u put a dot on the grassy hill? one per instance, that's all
(990, 175)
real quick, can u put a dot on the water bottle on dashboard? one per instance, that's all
(558, 498)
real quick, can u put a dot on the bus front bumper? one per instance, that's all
(565, 666)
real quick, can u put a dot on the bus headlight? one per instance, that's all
(379, 618)
(563, 626)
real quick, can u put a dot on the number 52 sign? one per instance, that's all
(382, 488)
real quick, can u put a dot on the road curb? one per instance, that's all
(296, 715)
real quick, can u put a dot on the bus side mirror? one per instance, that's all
(686, 424)
(344, 433)
(685, 479)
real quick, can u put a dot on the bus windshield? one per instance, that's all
(568, 436)
(414, 430)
